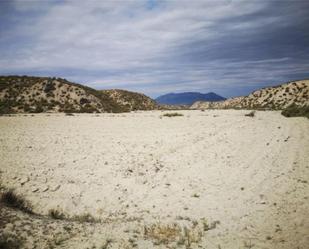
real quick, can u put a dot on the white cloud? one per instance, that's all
(128, 44)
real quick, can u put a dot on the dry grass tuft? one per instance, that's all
(13, 200)
(162, 234)
(56, 214)
(85, 218)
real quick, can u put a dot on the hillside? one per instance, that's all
(187, 98)
(24, 94)
(131, 100)
(294, 93)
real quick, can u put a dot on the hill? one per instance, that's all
(131, 100)
(187, 98)
(295, 93)
(23, 94)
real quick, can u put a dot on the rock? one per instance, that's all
(45, 189)
(55, 188)
(34, 189)
(24, 180)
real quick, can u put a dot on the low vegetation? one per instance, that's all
(10, 242)
(296, 111)
(10, 199)
(13, 200)
(175, 235)
(172, 114)
(84, 218)
(56, 214)
(250, 114)
(163, 234)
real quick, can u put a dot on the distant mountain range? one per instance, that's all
(188, 98)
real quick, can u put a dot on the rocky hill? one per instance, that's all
(131, 100)
(294, 93)
(23, 94)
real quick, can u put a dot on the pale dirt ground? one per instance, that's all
(246, 177)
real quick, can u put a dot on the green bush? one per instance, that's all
(172, 114)
(250, 114)
(49, 87)
(296, 111)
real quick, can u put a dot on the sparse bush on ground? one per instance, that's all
(13, 200)
(56, 214)
(172, 114)
(296, 111)
(10, 242)
(174, 233)
(49, 87)
(250, 114)
(84, 218)
(162, 234)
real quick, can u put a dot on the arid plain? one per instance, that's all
(207, 179)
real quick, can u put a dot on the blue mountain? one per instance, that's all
(187, 98)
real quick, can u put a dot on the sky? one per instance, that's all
(225, 46)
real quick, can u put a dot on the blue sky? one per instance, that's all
(156, 47)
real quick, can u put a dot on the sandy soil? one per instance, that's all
(212, 179)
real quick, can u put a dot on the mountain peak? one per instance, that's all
(188, 98)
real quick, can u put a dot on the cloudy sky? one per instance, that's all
(230, 47)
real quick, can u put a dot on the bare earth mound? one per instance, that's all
(212, 179)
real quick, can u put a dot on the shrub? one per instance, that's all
(10, 242)
(296, 111)
(84, 218)
(162, 234)
(172, 114)
(49, 87)
(84, 101)
(250, 114)
(56, 214)
(174, 233)
(11, 199)
(38, 109)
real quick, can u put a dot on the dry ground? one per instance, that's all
(213, 179)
